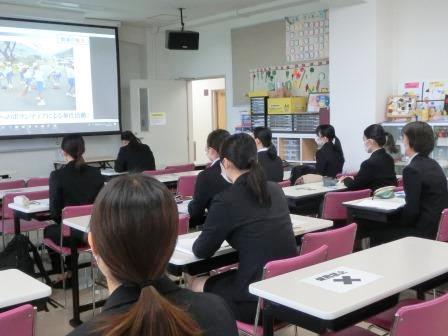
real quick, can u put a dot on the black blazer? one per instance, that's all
(273, 168)
(258, 234)
(72, 186)
(375, 172)
(425, 186)
(209, 311)
(135, 158)
(208, 184)
(329, 162)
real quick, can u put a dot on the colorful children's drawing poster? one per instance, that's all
(435, 90)
(316, 101)
(411, 89)
(296, 79)
(307, 36)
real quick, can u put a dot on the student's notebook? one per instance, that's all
(185, 245)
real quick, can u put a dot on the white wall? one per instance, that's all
(420, 40)
(202, 112)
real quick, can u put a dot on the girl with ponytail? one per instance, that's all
(267, 154)
(74, 184)
(329, 158)
(133, 235)
(253, 216)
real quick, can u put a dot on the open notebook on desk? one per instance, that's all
(185, 245)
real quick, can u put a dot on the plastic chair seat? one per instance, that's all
(385, 320)
(25, 226)
(64, 250)
(249, 328)
(351, 331)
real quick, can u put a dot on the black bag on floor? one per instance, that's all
(17, 255)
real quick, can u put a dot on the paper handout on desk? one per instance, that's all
(382, 204)
(185, 245)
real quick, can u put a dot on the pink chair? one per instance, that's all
(399, 189)
(181, 168)
(183, 225)
(18, 321)
(186, 185)
(333, 209)
(64, 251)
(8, 214)
(340, 241)
(400, 182)
(285, 183)
(37, 182)
(158, 172)
(349, 173)
(425, 318)
(276, 268)
(12, 184)
(442, 233)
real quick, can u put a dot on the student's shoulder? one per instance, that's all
(216, 321)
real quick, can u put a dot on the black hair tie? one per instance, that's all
(146, 283)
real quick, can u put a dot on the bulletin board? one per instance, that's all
(299, 78)
(307, 36)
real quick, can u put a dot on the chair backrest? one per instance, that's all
(285, 183)
(279, 267)
(340, 241)
(7, 213)
(37, 182)
(12, 184)
(158, 172)
(183, 225)
(74, 211)
(181, 168)
(186, 185)
(18, 321)
(333, 208)
(442, 232)
(400, 182)
(426, 318)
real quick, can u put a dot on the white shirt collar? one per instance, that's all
(262, 150)
(412, 157)
(214, 162)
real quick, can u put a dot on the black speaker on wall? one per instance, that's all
(182, 40)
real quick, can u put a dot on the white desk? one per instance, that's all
(310, 190)
(301, 225)
(35, 206)
(377, 204)
(109, 172)
(18, 287)
(400, 265)
(174, 177)
(24, 190)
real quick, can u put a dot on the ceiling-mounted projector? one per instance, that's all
(182, 39)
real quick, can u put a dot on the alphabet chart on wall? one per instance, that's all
(307, 36)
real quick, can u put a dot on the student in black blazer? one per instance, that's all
(329, 156)
(133, 233)
(210, 181)
(74, 184)
(267, 154)
(425, 187)
(253, 216)
(134, 156)
(377, 171)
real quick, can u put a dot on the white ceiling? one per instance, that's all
(151, 12)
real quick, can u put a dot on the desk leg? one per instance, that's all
(268, 321)
(75, 321)
(16, 224)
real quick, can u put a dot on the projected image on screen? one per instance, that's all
(57, 81)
